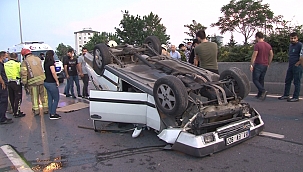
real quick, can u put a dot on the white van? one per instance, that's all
(37, 48)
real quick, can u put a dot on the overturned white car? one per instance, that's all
(196, 111)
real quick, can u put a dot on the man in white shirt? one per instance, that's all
(83, 70)
(174, 54)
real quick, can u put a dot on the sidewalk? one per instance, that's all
(11, 161)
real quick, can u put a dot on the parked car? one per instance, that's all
(196, 111)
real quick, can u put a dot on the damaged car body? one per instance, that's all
(197, 111)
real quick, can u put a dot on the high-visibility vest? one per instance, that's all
(12, 69)
(31, 71)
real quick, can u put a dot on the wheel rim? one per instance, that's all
(166, 97)
(98, 58)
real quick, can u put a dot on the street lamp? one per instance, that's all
(20, 22)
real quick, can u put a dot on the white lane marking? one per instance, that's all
(15, 159)
(279, 136)
(268, 95)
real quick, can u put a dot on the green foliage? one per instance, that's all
(232, 41)
(193, 29)
(61, 50)
(134, 29)
(279, 40)
(236, 53)
(244, 16)
(104, 37)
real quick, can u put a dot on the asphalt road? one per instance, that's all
(70, 144)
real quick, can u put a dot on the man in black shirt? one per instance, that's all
(71, 68)
(3, 91)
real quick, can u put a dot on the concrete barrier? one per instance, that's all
(274, 78)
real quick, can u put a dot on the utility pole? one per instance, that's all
(20, 22)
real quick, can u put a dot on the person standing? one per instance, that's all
(65, 58)
(33, 76)
(192, 51)
(260, 60)
(174, 54)
(294, 71)
(12, 70)
(71, 68)
(83, 73)
(51, 83)
(206, 53)
(3, 91)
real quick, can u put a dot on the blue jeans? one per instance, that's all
(293, 73)
(66, 86)
(258, 76)
(70, 86)
(52, 96)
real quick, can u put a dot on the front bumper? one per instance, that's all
(196, 145)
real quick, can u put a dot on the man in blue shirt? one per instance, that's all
(174, 54)
(294, 71)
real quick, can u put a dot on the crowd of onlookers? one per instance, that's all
(38, 76)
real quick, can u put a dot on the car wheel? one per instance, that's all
(102, 57)
(170, 95)
(153, 42)
(61, 80)
(241, 82)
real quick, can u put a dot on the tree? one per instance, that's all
(104, 37)
(279, 39)
(232, 41)
(134, 29)
(193, 29)
(244, 16)
(61, 50)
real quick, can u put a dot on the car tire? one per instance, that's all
(173, 103)
(153, 42)
(61, 80)
(102, 57)
(241, 82)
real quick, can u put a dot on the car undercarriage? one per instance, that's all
(197, 111)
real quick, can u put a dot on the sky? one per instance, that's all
(55, 21)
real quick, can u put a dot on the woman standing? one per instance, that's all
(51, 84)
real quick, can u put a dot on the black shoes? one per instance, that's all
(288, 99)
(7, 121)
(56, 116)
(293, 100)
(86, 97)
(79, 95)
(21, 114)
(284, 98)
(263, 96)
(68, 95)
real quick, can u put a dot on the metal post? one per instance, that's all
(20, 22)
(265, 28)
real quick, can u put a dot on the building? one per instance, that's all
(82, 37)
(215, 38)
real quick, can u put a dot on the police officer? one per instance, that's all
(33, 76)
(12, 70)
(3, 91)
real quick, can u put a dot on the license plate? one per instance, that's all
(237, 137)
